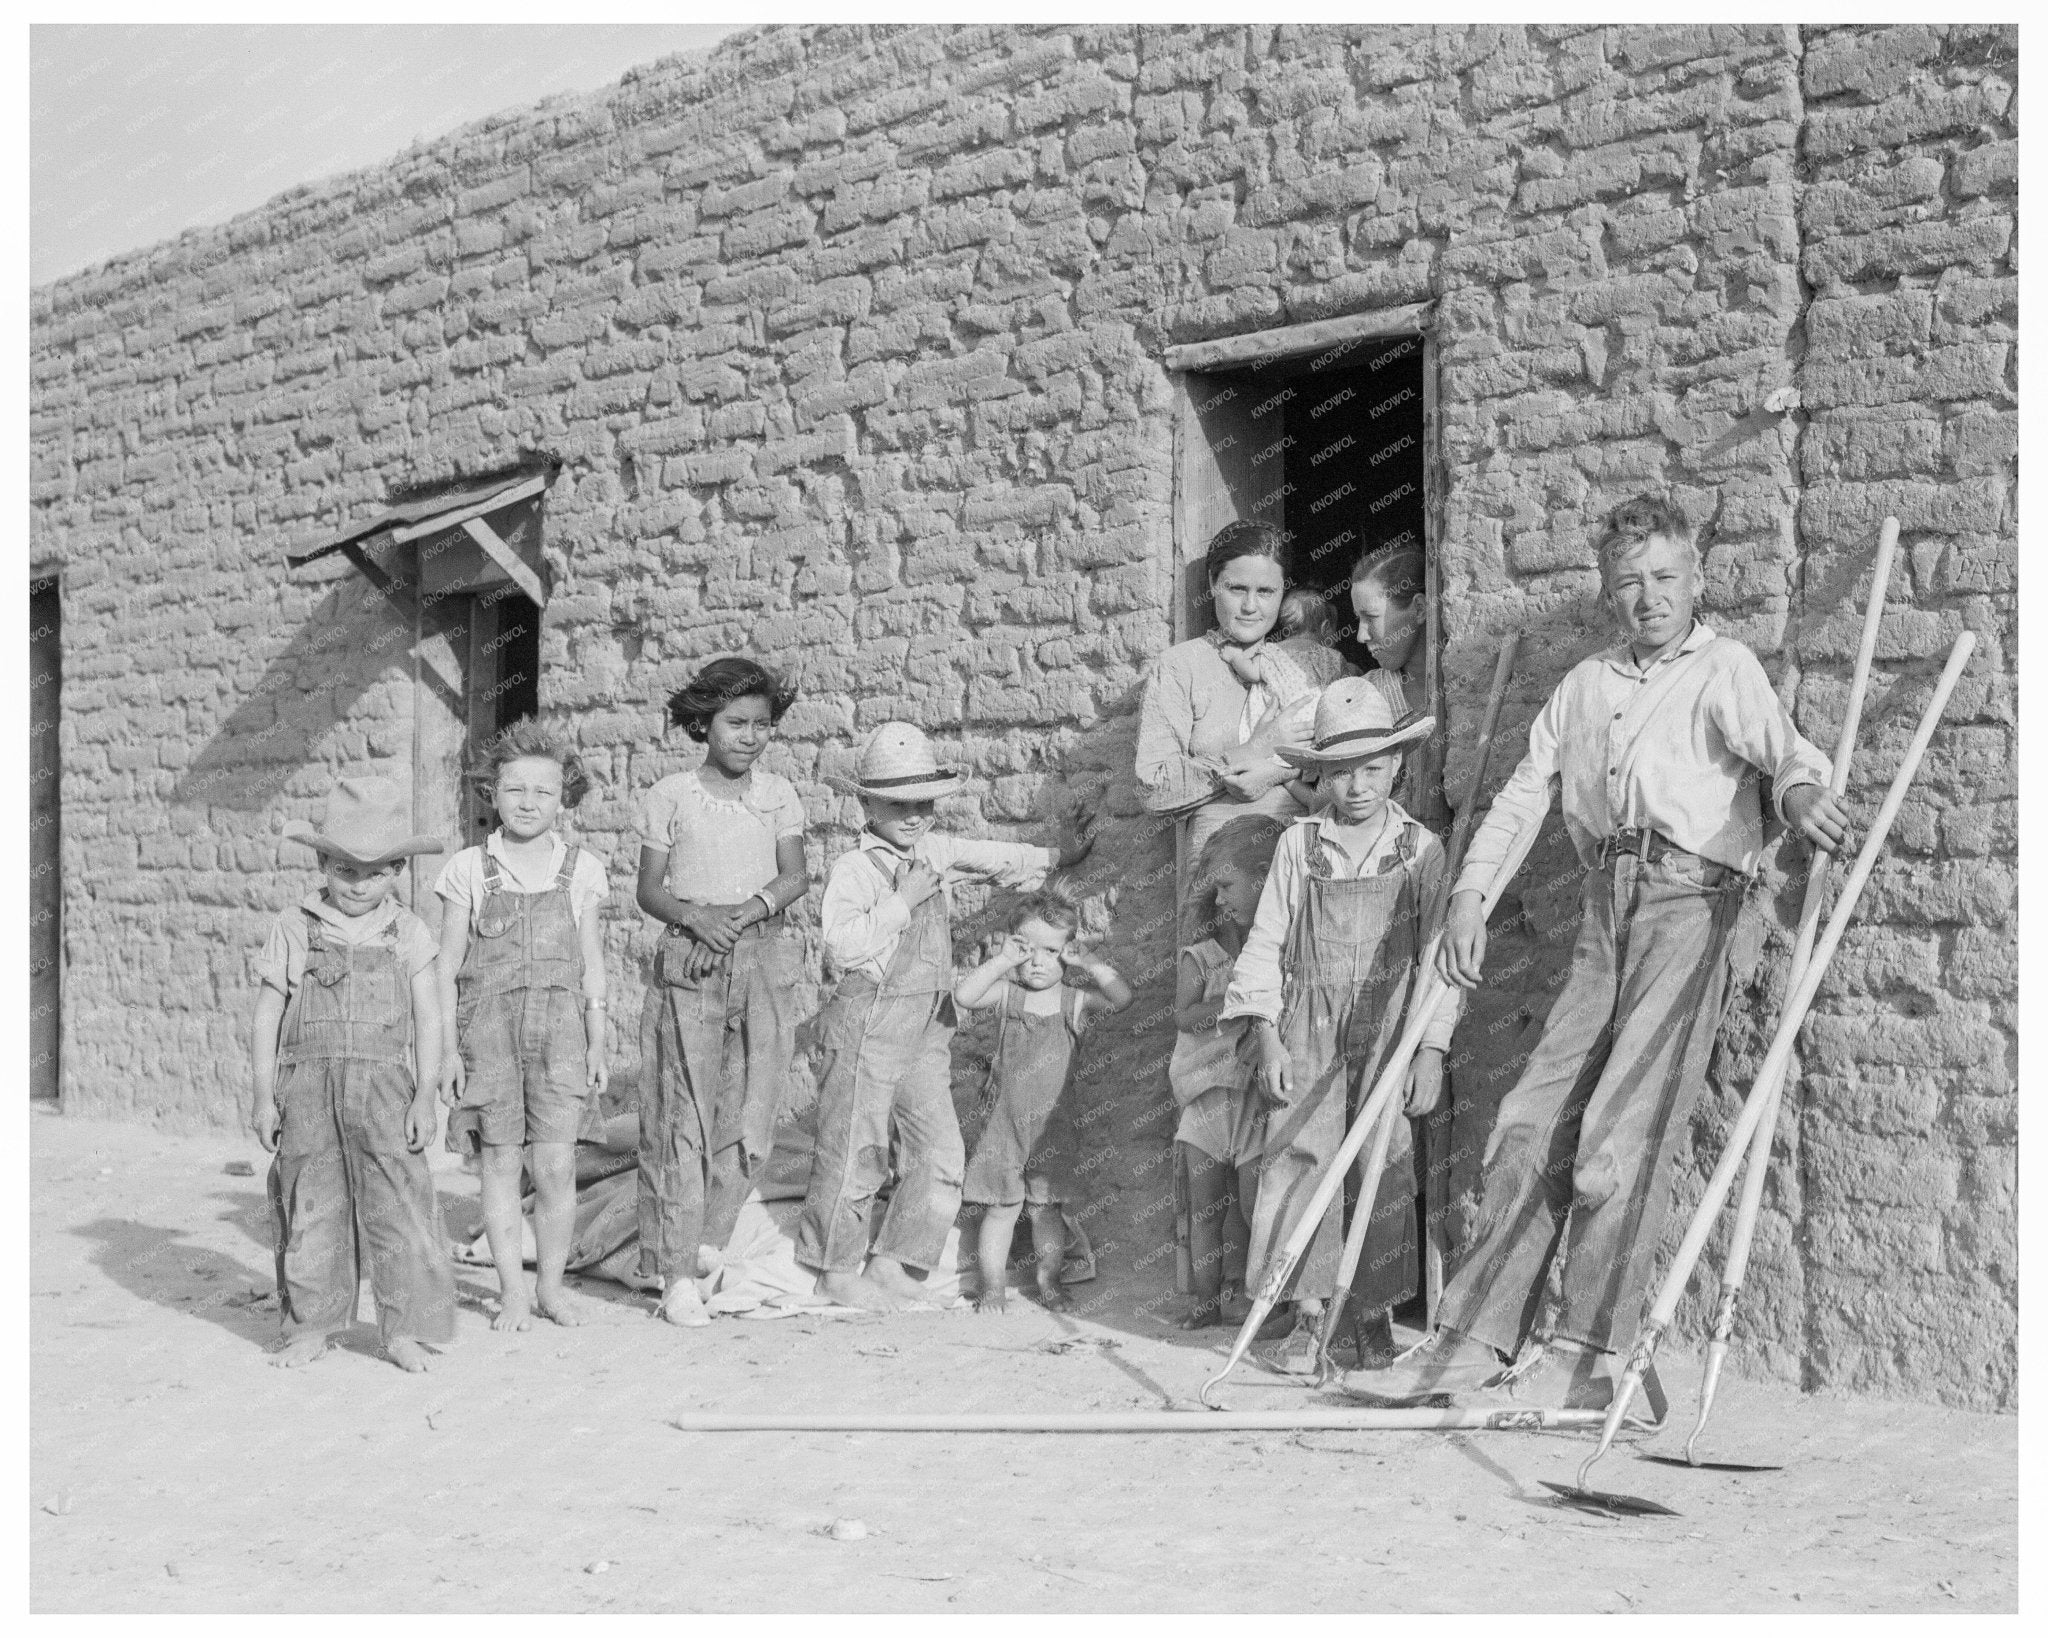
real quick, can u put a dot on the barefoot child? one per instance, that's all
(1326, 973)
(1030, 1151)
(1219, 1130)
(885, 1038)
(521, 969)
(346, 1010)
(721, 857)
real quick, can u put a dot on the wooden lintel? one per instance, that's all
(448, 520)
(1335, 336)
(507, 559)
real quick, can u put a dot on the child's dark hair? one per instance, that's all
(1244, 845)
(1305, 612)
(526, 738)
(692, 706)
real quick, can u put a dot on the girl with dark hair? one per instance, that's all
(1197, 758)
(1388, 591)
(721, 860)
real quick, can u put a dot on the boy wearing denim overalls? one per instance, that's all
(1326, 974)
(522, 974)
(346, 1010)
(886, 1036)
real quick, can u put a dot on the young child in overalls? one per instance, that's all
(521, 966)
(346, 1012)
(721, 857)
(1661, 746)
(1326, 974)
(1221, 1127)
(885, 1038)
(1031, 1151)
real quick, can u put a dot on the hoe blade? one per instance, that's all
(1718, 1467)
(1612, 1502)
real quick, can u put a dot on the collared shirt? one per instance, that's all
(1255, 985)
(1679, 747)
(863, 917)
(282, 961)
(461, 881)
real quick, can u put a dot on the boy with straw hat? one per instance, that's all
(1659, 744)
(1325, 974)
(346, 1005)
(885, 1037)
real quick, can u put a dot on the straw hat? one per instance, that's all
(896, 762)
(1354, 720)
(366, 821)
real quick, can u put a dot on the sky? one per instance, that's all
(137, 132)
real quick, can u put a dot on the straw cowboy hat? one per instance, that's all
(896, 762)
(366, 821)
(1354, 720)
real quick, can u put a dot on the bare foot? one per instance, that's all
(515, 1313)
(891, 1276)
(301, 1349)
(1053, 1295)
(554, 1303)
(995, 1300)
(408, 1355)
(851, 1290)
(1201, 1317)
(682, 1306)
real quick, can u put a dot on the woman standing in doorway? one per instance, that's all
(1199, 758)
(1388, 591)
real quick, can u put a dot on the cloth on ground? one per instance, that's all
(758, 1274)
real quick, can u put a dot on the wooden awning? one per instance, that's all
(494, 523)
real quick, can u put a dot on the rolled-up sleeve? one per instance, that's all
(1254, 990)
(1519, 808)
(1757, 727)
(1007, 864)
(1167, 778)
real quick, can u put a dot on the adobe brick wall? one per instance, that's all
(850, 340)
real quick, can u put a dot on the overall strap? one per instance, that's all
(316, 938)
(493, 874)
(567, 873)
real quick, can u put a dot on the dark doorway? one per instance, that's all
(1354, 468)
(45, 840)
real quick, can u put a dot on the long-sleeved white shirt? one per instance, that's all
(863, 917)
(1679, 748)
(1255, 980)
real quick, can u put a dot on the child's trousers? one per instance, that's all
(345, 1192)
(889, 1076)
(723, 1044)
(1589, 1130)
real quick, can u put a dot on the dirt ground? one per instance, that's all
(173, 1470)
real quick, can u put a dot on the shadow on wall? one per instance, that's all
(353, 639)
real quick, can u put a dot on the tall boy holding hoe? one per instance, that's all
(1658, 744)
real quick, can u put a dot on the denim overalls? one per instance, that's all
(887, 1068)
(1347, 972)
(344, 1189)
(519, 1017)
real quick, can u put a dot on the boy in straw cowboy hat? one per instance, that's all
(885, 1037)
(346, 1006)
(1660, 744)
(1325, 975)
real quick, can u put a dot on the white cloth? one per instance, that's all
(1677, 748)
